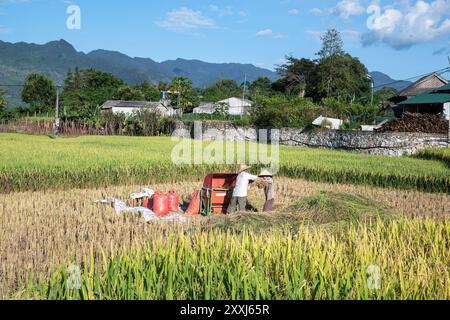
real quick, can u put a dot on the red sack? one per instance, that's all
(160, 204)
(194, 206)
(174, 201)
(147, 203)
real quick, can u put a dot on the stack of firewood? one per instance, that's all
(417, 122)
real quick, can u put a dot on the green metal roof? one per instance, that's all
(428, 98)
(443, 88)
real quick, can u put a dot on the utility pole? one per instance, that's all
(57, 120)
(448, 140)
(373, 87)
(179, 96)
(244, 90)
(243, 93)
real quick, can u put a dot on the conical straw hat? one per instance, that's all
(243, 168)
(266, 173)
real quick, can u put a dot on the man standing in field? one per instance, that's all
(240, 192)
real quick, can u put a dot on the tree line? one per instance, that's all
(335, 83)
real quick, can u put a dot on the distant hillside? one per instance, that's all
(383, 80)
(54, 59)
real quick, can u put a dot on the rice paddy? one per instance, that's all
(44, 231)
(346, 226)
(39, 163)
(411, 256)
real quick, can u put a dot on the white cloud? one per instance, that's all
(347, 8)
(4, 30)
(316, 11)
(270, 33)
(294, 12)
(344, 9)
(444, 50)
(13, 1)
(314, 34)
(351, 34)
(221, 11)
(185, 19)
(265, 32)
(411, 24)
(280, 36)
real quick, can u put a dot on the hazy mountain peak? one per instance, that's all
(60, 44)
(383, 80)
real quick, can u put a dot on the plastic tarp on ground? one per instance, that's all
(121, 207)
(335, 123)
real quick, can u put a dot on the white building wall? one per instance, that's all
(447, 110)
(236, 111)
(203, 111)
(127, 111)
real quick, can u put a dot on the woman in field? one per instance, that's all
(268, 184)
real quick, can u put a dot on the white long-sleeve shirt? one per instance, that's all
(242, 184)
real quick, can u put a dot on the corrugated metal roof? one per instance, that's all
(425, 84)
(208, 107)
(236, 102)
(130, 104)
(444, 88)
(429, 98)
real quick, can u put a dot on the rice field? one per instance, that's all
(341, 221)
(40, 163)
(410, 258)
(436, 154)
(41, 232)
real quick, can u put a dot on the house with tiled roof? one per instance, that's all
(421, 86)
(436, 101)
(129, 107)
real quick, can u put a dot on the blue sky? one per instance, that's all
(402, 38)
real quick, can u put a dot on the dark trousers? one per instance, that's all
(235, 201)
(268, 206)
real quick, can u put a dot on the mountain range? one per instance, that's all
(54, 58)
(383, 80)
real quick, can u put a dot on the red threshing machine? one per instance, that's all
(216, 193)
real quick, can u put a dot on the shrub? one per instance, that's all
(338, 108)
(282, 111)
(140, 123)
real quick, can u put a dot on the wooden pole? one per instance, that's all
(448, 141)
(56, 126)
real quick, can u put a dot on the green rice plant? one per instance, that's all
(41, 230)
(40, 163)
(412, 257)
(442, 154)
(328, 207)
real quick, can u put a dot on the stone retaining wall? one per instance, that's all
(386, 143)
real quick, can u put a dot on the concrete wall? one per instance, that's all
(388, 143)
